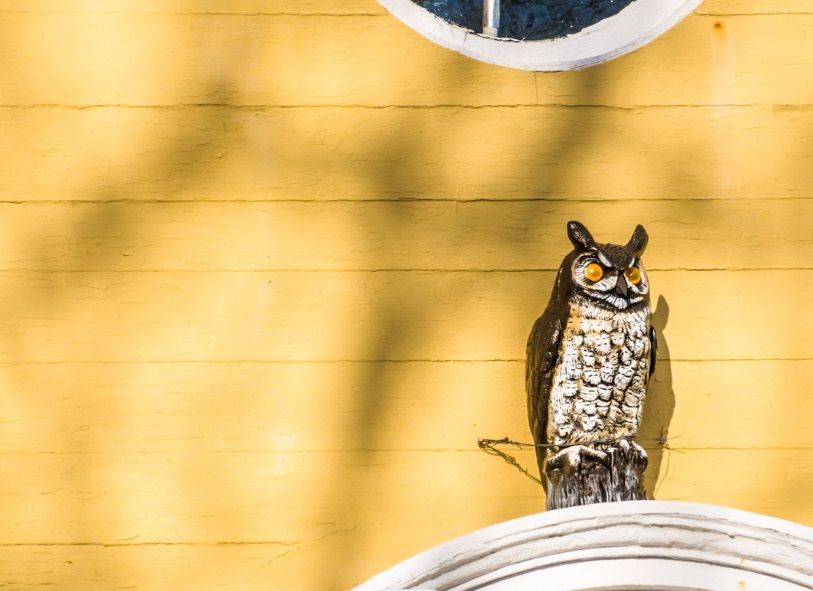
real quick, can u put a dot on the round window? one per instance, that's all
(541, 35)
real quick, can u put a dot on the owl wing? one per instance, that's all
(653, 349)
(541, 355)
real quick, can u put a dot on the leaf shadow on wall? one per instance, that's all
(89, 317)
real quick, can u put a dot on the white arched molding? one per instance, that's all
(637, 24)
(651, 545)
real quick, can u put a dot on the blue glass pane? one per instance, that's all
(528, 19)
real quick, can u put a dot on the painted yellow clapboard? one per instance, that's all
(213, 153)
(267, 268)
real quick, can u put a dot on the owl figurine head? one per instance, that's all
(610, 275)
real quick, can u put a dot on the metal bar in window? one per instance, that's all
(491, 17)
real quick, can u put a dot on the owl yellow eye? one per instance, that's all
(593, 272)
(634, 275)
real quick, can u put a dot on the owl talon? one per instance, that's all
(568, 461)
(640, 451)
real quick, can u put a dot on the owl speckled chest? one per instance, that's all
(600, 378)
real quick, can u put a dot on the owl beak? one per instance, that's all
(621, 286)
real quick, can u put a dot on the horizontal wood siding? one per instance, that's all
(333, 153)
(267, 269)
(223, 407)
(443, 235)
(370, 316)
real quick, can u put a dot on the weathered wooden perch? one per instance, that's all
(575, 476)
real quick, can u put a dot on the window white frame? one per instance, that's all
(636, 25)
(646, 545)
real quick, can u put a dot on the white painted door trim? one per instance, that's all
(652, 545)
(637, 24)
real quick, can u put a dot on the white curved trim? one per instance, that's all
(636, 573)
(578, 549)
(636, 25)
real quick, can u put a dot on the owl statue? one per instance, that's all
(589, 359)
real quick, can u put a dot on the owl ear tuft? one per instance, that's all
(637, 243)
(579, 235)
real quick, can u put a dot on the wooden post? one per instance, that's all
(588, 480)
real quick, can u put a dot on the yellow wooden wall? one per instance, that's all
(267, 268)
